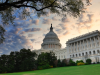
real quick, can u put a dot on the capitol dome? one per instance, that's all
(51, 40)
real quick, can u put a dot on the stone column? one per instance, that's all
(77, 46)
(90, 43)
(87, 44)
(70, 48)
(98, 40)
(74, 47)
(96, 52)
(94, 42)
(83, 44)
(80, 46)
(91, 52)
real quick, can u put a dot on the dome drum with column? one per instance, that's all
(51, 40)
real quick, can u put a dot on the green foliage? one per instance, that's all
(44, 67)
(18, 61)
(78, 61)
(61, 64)
(86, 64)
(88, 61)
(2, 30)
(72, 63)
(64, 62)
(46, 58)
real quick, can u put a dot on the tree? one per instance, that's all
(51, 58)
(18, 61)
(46, 59)
(8, 8)
(42, 59)
(64, 62)
(11, 62)
(72, 63)
(3, 63)
(88, 61)
(2, 30)
(24, 60)
(59, 63)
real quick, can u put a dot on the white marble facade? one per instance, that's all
(85, 46)
(78, 48)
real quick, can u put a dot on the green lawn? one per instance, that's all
(72, 70)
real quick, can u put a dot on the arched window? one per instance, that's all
(97, 51)
(82, 54)
(73, 55)
(79, 54)
(76, 55)
(70, 56)
(90, 52)
(93, 52)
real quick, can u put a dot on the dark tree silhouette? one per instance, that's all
(18, 61)
(46, 58)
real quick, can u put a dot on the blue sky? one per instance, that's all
(30, 33)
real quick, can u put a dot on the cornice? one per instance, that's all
(84, 36)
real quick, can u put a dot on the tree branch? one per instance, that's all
(6, 1)
(4, 6)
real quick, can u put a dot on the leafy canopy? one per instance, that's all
(9, 9)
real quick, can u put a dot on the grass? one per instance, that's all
(71, 70)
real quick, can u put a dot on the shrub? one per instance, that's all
(40, 68)
(59, 64)
(86, 64)
(51, 66)
(55, 63)
(46, 66)
(88, 61)
(80, 63)
(72, 63)
(64, 62)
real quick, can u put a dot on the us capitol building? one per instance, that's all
(78, 48)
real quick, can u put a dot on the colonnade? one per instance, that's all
(53, 46)
(84, 44)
